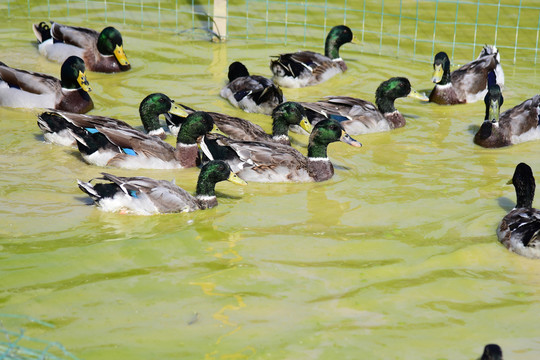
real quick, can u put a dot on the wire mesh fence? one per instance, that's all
(411, 29)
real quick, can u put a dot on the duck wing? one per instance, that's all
(78, 36)
(142, 144)
(239, 129)
(255, 155)
(32, 82)
(523, 117)
(347, 110)
(521, 229)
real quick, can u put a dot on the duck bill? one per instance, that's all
(120, 55)
(236, 180)
(437, 73)
(81, 79)
(356, 41)
(178, 110)
(347, 139)
(416, 95)
(494, 111)
(304, 124)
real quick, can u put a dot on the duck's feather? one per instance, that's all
(516, 125)
(304, 68)
(254, 94)
(519, 231)
(263, 161)
(140, 195)
(357, 116)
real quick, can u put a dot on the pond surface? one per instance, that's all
(395, 257)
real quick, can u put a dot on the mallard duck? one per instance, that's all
(492, 352)
(26, 89)
(468, 83)
(286, 115)
(519, 230)
(101, 52)
(513, 126)
(146, 196)
(358, 116)
(306, 68)
(132, 149)
(273, 162)
(251, 93)
(57, 126)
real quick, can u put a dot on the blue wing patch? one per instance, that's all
(338, 117)
(129, 151)
(133, 193)
(92, 130)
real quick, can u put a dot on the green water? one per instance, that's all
(395, 257)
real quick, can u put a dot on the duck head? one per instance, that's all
(110, 43)
(73, 74)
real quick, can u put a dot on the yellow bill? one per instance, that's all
(178, 110)
(437, 73)
(415, 94)
(81, 79)
(120, 55)
(236, 180)
(347, 139)
(304, 124)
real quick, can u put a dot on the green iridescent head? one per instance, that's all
(337, 36)
(325, 132)
(289, 114)
(110, 43)
(196, 125)
(213, 172)
(73, 74)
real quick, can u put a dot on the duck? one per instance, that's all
(468, 83)
(519, 230)
(133, 149)
(56, 124)
(146, 196)
(26, 89)
(272, 162)
(102, 52)
(251, 93)
(515, 125)
(284, 116)
(492, 352)
(307, 68)
(359, 116)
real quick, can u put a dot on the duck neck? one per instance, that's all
(317, 150)
(280, 128)
(446, 74)
(385, 103)
(525, 196)
(205, 187)
(149, 119)
(331, 47)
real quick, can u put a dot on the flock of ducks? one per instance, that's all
(243, 151)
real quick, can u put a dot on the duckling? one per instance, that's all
(56, 124)
(519, 230)
(102, 52)
(358, 116)
(251, 93)
(146, 196)
(513, 126)
(132, 149)
(284, 116)
(307, 68)
(492, 352)
(468, 83)
(26, 89)
(273, 162)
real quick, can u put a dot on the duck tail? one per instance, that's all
(268, 94)
(88, 142)
(42, 31)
